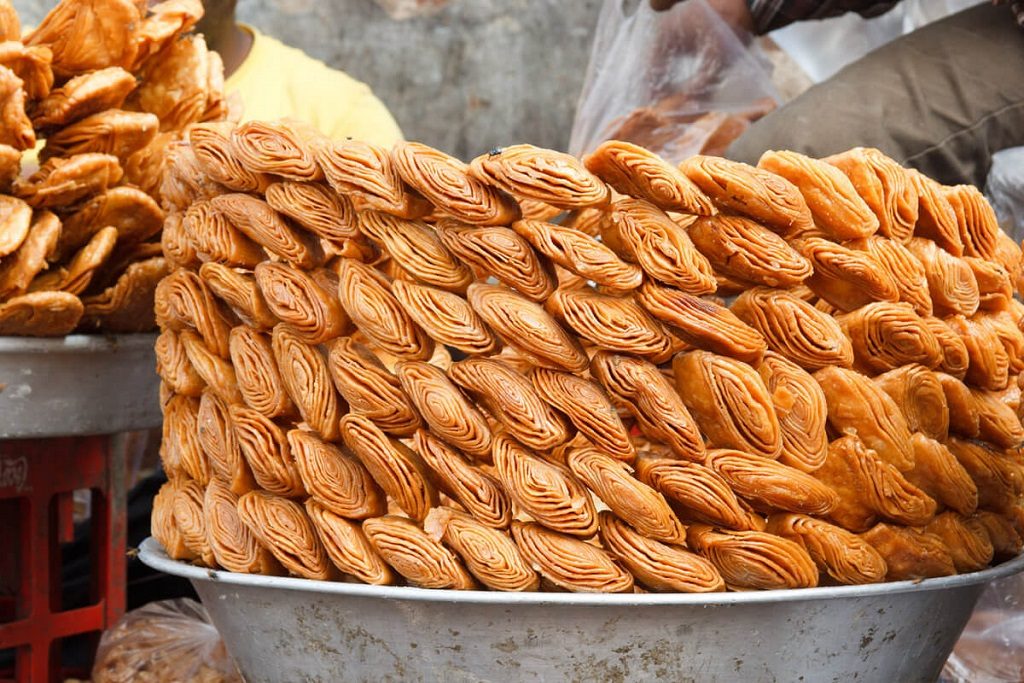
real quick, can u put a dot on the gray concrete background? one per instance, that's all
(478, 74)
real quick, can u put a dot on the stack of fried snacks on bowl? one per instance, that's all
(532, 372)
(104, 90)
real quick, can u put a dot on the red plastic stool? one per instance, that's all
(37, 480)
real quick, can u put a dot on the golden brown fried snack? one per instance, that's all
(259, 380)
(955, 358)
(396, 468)
(527, 328)
(996, 477)
(173, 366)
(846, 278)
(697, 492)
(176, 86)
(859, 407)
(217, 373)
(10, 167)
(570, 563)
(78, 274)
(835, 206)
(729, 401)
(88, 35)
(211, 144)
(234, 546)
(335, 479)
(414, 246)
(1006, 541)
(998, 423)
(184, 301)
(920, 396)
(145, 169)
(580, 254)
(907, 272)
(19, 269)
(490, 555)
(366, 297)
(702, 323)
(311, 311)
(755, 559)
(423, 561)
(951, 282)
(746, 250)
(529, 172)
(753, 192)
(16, 130)
(40, 314)
(910, 554)
(217, 438)
(844, 556)
(1010, 335)
(975, 219)
(191, 522)
(181, 439)
(30, 64)
(989, 365)
(265, 447)
(62, 182)
(446, 317)
(237, 288)
(316, 208)
(937, 219)
(134, 213)
(366, 174)
(995, 288)
(770, 485)
(10, 23)
(15, 222)
(260, 223)
(369, 388)
(885, 186)
(348, 547)
(964, 419)
(282, 526)
(888, 335)
(176, 245)
(660, 246)
(445, 182)
(307, 380)
(164, 528)
(793, 328)
(115, 132)
(968, 542)
(126, 307)
(660, 412)
(278, 148)
(633, 170)
(216, 239)
(162, 23)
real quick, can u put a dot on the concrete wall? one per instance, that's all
(479, 74)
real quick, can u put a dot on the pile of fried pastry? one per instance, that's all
(534, 372)
(106, 86)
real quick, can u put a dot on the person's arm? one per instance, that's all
(762, 16)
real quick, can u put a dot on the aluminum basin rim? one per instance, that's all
(153, 555)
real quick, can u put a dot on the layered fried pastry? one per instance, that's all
(115, 132)
(697, 493)
(29, 63)
(527, 328)
(78, 274)
(885, 186)
(858, 406)
(445, 182)
(534, 210)
(181, 416)
(334, 479)
(10, 166)
(312, 312)
(145, 168)
(276, 148)
(134, 213)
(794, 328)
(1009, 255)
(1010, 335)
(745, 250)
(729, 401)
(770, 485)
(490, 555)
(968, 543)
(510, 398)
(176, 244)
(998, 423)
(260, 223)
(62, 182)
(955, 358)
(844, 277)
(265, 448)
(217, 437)
(445, 409)
(660, 246)
(500, 253)
(844, 556)
(282, 526)
(414, 246)
(975, 219)
(702, 323)
(216, 239)
(529, 172)
(396, 468)
(1006, 541)
(801, 409)
(589, 409)
(217, 373)
(636, 503)
(997, 479)
(183, 300)
(15, 223)
(634, 171)
(656, 565)
(17, 129)
(238, 289)
(446, 317)
(233, 545)
(752, 192)
(995, 288)
(173, 366)
(548, 492)
(906, 270)
(951, 282)
(836, 207)
(367, 298)
(162, 23)
(259, 381)
(83, 95)
(40, 314)
(937, 220)
(755, 559)
(126, 307)
(17, 270)
(578, 253)
(164, 528)
(910, 554)
(307, 380)
(613, 323)
(964, 419)
(886, 336)
(423, 562)
(366, 174)
(369, 388)
(570, 563)
(989, 363)
(660, 413)
(316, 208)
(191, 521)
(176, 87)
(347, 546)
(211, 144)
(920, 397)
(183, 180)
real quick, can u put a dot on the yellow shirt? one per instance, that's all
(278, 81)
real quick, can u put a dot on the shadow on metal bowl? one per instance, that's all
(286, 629)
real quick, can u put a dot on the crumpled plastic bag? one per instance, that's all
(171, 641)
(1005, 190)
(991, 648)
(678, 82)
(407, 9)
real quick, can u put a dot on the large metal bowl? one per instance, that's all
(285, 629)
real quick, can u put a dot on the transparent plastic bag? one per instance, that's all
(1005, 190)
(407, 9)
(171, 641)
(679, 82)
(991, 648)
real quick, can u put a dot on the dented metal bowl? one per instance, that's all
(286, 629)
